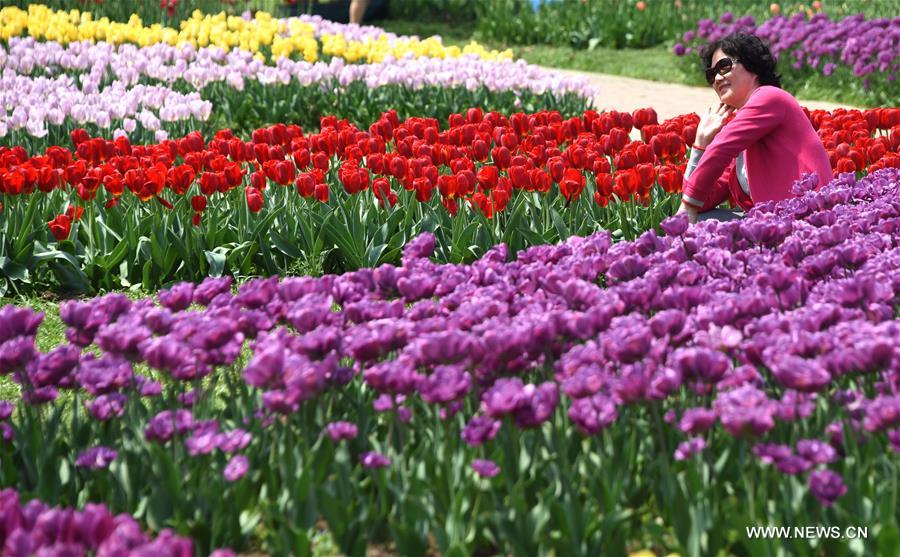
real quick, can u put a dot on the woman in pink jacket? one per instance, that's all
(768, 145)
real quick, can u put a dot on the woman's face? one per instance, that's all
(734, 87)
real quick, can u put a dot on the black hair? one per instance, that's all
(750, 51)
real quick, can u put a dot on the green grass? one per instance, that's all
(52, 333)
(654, 64)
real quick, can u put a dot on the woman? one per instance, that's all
(768, 145)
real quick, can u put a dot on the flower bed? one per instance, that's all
(262, 34)
(345, 198)
(497, 406)
(35, 528)
(850, 52)
(159, 91)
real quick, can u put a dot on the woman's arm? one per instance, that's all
(720, 192)
(762, 113)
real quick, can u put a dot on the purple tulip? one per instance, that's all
(165, 425)
(770, 453)
(106, 407)
(178, 297)
(689, 448)
(18, 322)
(236, 468)
(6, 409)
(827, 486)
(594, 413)
(103, 375)
(445, 384)
(480, 430)
(96, 458)
(339, 431)
(504, 397)
(233, 441)
(485, 468)
(815, 451)
(374, 460)
(745, 411)
(696, 420)
(800, 374)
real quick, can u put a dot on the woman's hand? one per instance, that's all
(691, 211)
(711, 123)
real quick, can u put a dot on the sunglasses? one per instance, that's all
(722, 67)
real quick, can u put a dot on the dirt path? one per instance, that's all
(668, 99)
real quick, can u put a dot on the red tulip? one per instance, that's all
(466, 182)
(198, 203)
(484, 204)
(60, 227)
(306, 184)
(487, 177)
(74, 213)
(618, 138)
(859, 160)
(571, 184)
(875, 152)
(626, 159)
(643, 117)
(626, 184)
(78, 136)
(500, 198)
(501, 157)
(604, 185)
(451, 204)
(114, 184)
(233, 174)
(646, 175)
(423, 189)
(557, 167)
(376, 163)
(448, 185)
(398, 167)
(254, 199)
(601, 165)
(180, 178)
(258, 180)
(846, 165)
(577, 156)
(520, 178)
(381, 187)
(670, 179)
(321, 192)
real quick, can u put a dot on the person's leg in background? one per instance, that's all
(720, 214)
(358, 10)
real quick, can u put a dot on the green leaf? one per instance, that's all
(28, 221)
(559, 225)
(216, 263)
(249, 520)
(284, 246)
(147, 280)
(13, 270)
(373, 254)
(111, 260)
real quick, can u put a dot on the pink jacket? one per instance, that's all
(780, 145)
